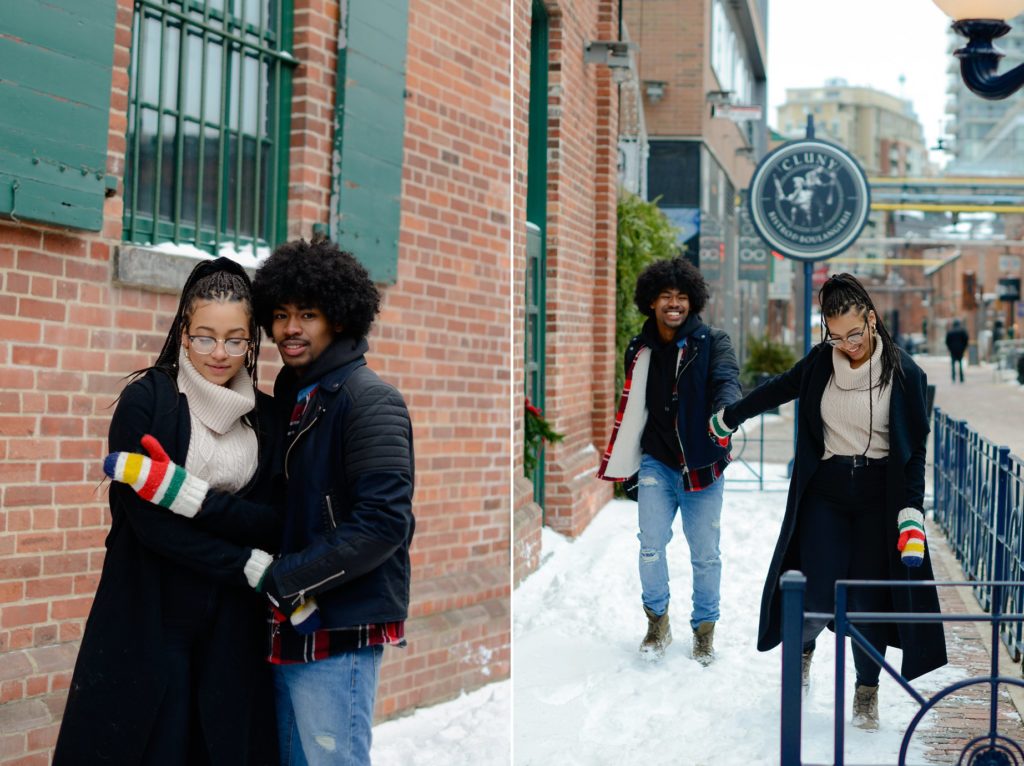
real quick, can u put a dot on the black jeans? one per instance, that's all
(841, 536)
(958, 361)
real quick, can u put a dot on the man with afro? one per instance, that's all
(348, 464)
(679, 372)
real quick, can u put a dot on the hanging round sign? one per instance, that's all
(809, 199)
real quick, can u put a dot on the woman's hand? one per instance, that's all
(912, 539)
(157, 479)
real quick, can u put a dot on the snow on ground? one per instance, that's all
(582, 695)
(472, 730)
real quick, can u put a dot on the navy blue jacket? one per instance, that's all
(707, 382)
(350, 476)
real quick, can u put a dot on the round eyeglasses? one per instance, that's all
(204, 344)
(852, 339)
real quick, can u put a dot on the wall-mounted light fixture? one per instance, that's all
(981, 22)
(718, 97)
(611, 53)
(654, 90)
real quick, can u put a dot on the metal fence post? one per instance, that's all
(793, 584)
(959, 488)
(938, 487)
(1001, 523)
(841, 623)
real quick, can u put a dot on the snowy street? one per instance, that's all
(582, 695)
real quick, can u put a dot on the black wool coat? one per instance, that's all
(924, 643)
(119, 678)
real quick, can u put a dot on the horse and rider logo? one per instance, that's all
(809, 199)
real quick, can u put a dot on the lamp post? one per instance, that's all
(981, 22)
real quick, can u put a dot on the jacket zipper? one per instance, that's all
(302, 593)
(330, 511)
(675, 421)
(298, 436)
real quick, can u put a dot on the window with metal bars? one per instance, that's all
(208, 106)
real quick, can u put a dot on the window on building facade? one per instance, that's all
(207, 150)
(727, 57)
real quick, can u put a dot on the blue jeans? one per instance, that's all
(660, 495)
(325, 709)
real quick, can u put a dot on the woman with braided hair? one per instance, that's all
(856, 495)
(170, 670)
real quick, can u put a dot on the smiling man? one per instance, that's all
(678, 372)
(348, 461)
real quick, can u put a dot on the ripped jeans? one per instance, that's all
(325, 709)
(660, 495)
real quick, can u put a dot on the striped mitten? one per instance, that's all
(719, 432)
(305, 617)
(157, 479)
(911, 542)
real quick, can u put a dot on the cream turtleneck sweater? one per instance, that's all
(844, 407)
(222, 450)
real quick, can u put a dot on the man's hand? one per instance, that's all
(719, 432)
(912, 539)
(303, 615)
(157, 479)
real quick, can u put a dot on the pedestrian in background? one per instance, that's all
(170, 671)
(855, 501)
(678, 371)
(956, 341)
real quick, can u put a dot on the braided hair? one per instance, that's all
(843, 292)
(221, 280)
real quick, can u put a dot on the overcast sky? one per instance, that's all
(866, 42)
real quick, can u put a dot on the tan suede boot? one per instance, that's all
(659, 636)
(865, 707)
(704, 643)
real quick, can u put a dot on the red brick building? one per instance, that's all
(566, 126)
(388, 129)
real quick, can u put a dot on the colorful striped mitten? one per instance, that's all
(911, 542)
(719, 432)
(157, 479)
(305, 617)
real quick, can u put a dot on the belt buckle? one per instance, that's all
(860, 461)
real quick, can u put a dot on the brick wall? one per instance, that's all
(582, 180)
(71, 336)
(580, 329)
(527, 516)
(443, 339)
(671, 43)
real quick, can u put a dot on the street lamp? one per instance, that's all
(982, 21)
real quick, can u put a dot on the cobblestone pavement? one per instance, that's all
(965, 714)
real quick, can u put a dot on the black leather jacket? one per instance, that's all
(350, 476)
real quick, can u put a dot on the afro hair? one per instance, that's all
(678, 273)
(317, 275)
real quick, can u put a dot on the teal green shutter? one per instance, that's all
(369, 128)
(56, 57)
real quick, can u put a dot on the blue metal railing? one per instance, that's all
(988, 749)
(749, 448)
(979, 504)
